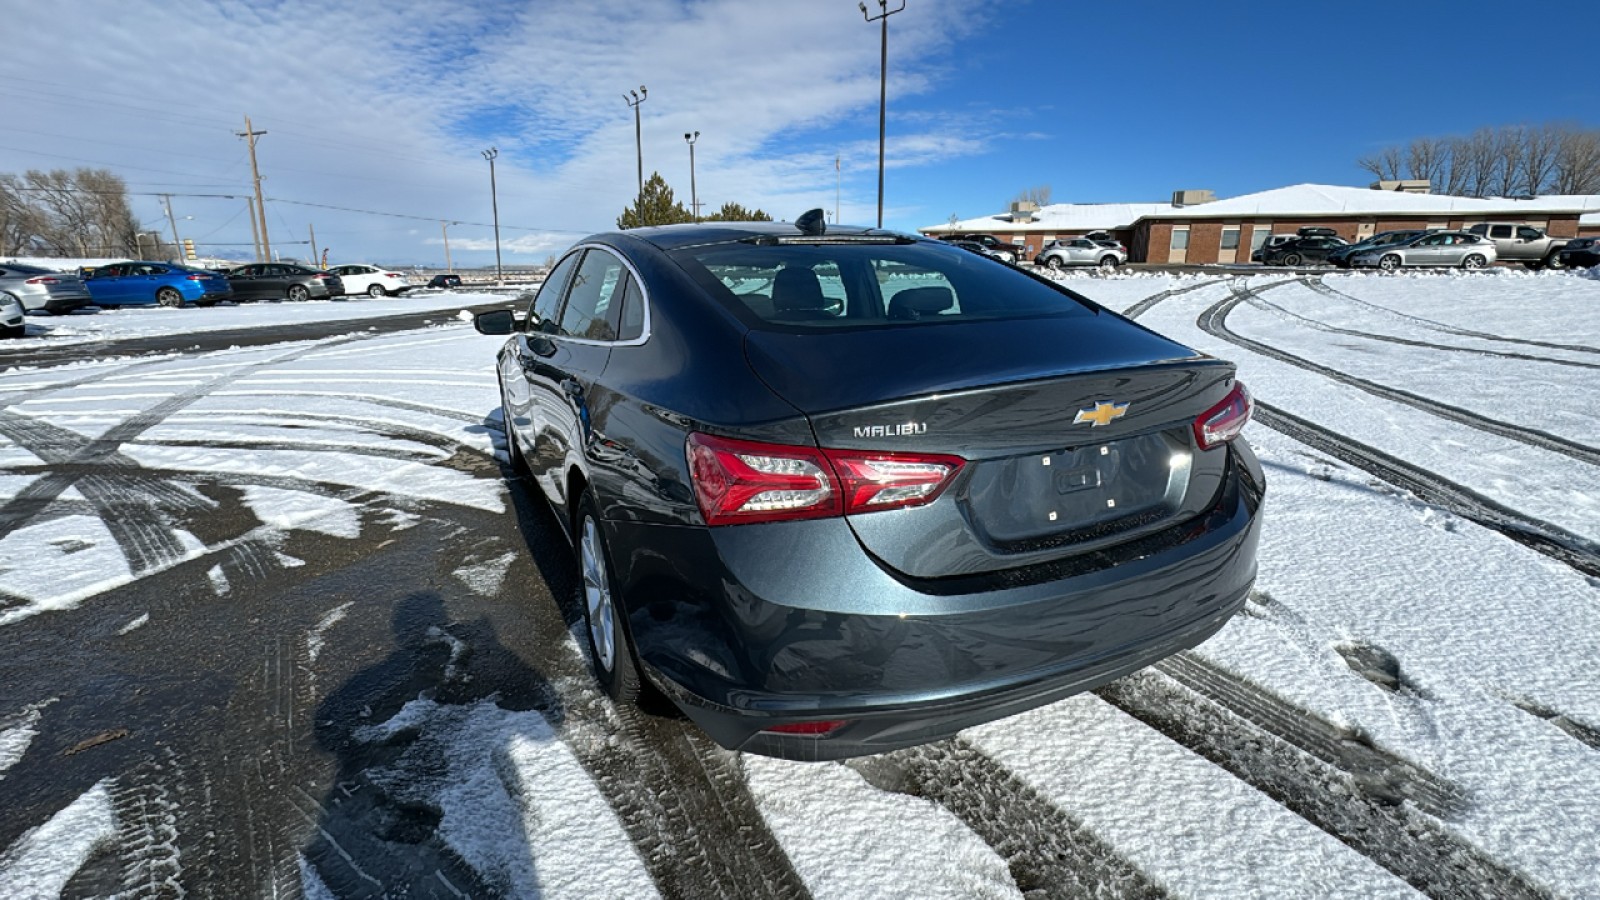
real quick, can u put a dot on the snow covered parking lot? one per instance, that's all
(275, 625)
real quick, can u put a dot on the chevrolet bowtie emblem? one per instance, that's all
(1101, 414)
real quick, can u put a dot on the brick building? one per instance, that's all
(1226, 231)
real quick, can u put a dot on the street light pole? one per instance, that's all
(444, 229)
(883, 86)
(694, 197)
(633, 99)
(494, 198)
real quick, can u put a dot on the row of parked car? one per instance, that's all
(144, 283)
(1097, 248)
(1471, 248)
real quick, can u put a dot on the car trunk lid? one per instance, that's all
(1077, 431)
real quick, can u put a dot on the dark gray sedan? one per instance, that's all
(835, 491)
(283, 281)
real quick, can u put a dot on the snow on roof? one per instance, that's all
(1327, 199)
(1286, 202)
(1061, 217)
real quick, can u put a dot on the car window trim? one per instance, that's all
(644, 334)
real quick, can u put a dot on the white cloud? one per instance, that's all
(386, 106)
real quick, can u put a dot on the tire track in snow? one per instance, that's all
(1311, 281)
(1145, 305)
(1380, 806)
(1564, 546)
(1049, 853)
(1316, 283)
(1214, 322)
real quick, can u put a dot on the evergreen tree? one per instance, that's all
(733, 212)
(654, 207)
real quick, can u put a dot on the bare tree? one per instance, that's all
(1539, 157)
(1384, 165)
(1510, 146)
(1038, 194)
(1427, 159)
(1577, 163)
(1506, 161)
(61, 213)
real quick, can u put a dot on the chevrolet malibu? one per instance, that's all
(835, 491)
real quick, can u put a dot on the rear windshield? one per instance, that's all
(850, 285)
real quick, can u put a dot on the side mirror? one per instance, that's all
(499, 321)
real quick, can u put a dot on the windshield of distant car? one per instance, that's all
(863, 284)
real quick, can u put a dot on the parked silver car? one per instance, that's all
(1080, 252)
(43, 289)
(11, 323)
(1436, 248)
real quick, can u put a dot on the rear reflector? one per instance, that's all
(738, 481)
(827, 726)
(1223, 422)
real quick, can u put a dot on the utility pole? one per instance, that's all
(255, 235)
(250, 134)
(177, 242)
(316, 261)
(638, 97)
(838, 188)
(694, 198)
(883, 86)
(494, 198)
(444, 229)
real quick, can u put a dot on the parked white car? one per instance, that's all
(1081, 252)
(11, 323)
(1434, 248)
(372, 281)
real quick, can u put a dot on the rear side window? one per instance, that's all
(632, 327)
(1500, 231)
(842, 285)
(594, 303)
(1528, 234)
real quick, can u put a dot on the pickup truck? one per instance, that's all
(1523, 243)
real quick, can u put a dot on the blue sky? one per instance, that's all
(385, 107)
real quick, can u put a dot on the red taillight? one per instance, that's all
(874, 481)
(1223, 422)
(739, 481)
(197, 277)
(43, 279)
(746, 481)
(826, 726)
(391, 274)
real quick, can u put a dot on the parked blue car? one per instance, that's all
(152, 283)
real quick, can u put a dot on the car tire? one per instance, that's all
(1054, 262)
(1554, 262)
(1474, 261)
(376, 290)
(1292, 259)
(609, 647)
(1389, 263)
(14, 331)
(205, 304)
(519, 463)
(1108, 263)
(169, 297)
(298, 293)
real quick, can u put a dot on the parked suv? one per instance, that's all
(1581, 253)
(1522, 243)
(1081, 252)
(997, 248)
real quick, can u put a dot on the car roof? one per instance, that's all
(672, 237)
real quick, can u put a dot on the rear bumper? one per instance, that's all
(749, 627)
(62, 305)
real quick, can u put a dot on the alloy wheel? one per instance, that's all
(597, 597)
